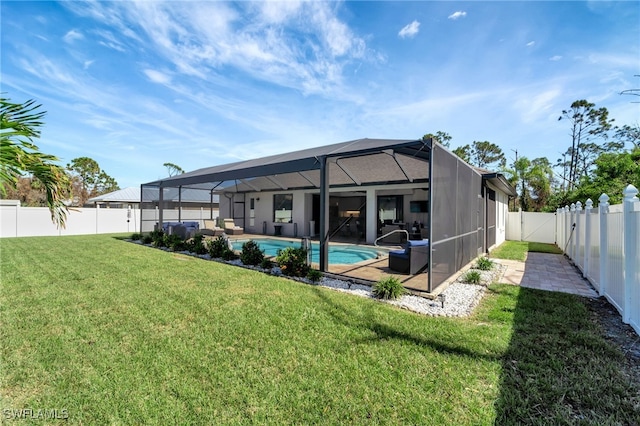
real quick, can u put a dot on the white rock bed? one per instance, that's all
(460, 298)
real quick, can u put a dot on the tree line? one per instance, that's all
(600, 158)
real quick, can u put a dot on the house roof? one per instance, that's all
(387, 160)
(358, 162)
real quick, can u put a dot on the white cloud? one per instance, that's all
(410, 30)
(304, 46)
(534, 108)
(87, 64)
(457, 15)
(555, 58)
(531, 43)
(72, 36)
(157, 76)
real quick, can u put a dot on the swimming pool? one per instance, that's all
(339, 254)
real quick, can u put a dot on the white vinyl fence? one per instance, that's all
(18, 221)
(531, 226)
(604, 243)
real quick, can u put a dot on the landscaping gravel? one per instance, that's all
(459, 298)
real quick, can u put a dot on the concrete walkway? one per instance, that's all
(546, 271)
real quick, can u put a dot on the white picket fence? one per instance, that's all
(603, 243)
(18, 221)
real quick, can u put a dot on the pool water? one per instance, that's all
(338, 254)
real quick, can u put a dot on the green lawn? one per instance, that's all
(517, 250)
(118, 333)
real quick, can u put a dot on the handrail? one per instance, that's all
(375, 243)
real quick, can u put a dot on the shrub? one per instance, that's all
(174, 242)
(485, 264)
(147, 239)
(293, 261)
(136, 236)
(197, 244)
(388, 288)
(251, 253)
(314, 275)
(219, 248)
(266, 263)
(157, 238)
(472, 277)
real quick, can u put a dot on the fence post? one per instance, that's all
(567, 229)
(587, 237)
(579, 225)
(603, 210)
(558, 228)
(572, 248)
(630, 205)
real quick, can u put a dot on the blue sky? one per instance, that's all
(134, 85)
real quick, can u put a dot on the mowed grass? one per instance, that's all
(118, 333)
(517, 250)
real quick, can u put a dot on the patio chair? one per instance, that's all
(412, 260)
(231, 228)
(211, 229)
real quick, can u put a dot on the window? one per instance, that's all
(390, 208)
(283, 208)
(252, 212)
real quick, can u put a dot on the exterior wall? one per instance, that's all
(502, 209)
(303, 203)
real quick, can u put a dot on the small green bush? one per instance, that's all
(266, 263)
(314, 275)
(251, 253)
(485, 264)
(157, 238)
(388, 288)
(197, 244)
(219, 246)
(147, 239)
(174, 242)
(293, 261)
(136, 237)
(472, 277)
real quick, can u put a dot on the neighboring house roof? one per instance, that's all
(132, 195)
(126, 195)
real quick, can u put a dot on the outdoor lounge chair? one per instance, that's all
(412, 260)
(231, 228)
(211, 229)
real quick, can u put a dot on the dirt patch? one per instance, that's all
(620, 334)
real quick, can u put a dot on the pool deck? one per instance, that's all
(368, 271)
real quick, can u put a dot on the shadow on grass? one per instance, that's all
(558, 368)
(440, 338)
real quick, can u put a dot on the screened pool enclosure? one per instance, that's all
(358, 189)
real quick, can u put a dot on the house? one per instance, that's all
(357, 189)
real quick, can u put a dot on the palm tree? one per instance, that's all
(19, 126)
